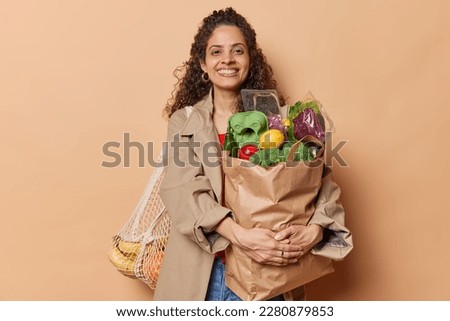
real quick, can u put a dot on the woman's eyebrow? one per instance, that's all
(233, 45)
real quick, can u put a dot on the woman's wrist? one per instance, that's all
(319, 233)
(229, 229)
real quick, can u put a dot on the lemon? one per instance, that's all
(272, 138)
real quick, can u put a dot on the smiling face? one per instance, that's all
(227, 61)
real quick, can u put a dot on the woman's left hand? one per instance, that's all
(305, 236)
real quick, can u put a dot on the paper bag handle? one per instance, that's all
(307, 138)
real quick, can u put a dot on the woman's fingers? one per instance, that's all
(271, 258)
(260, 245)
(291, 255)
(285, 234)
(280, 261)
(288, 247)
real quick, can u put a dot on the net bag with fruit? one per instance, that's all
(138, 248)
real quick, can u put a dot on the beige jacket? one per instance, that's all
(192, 192)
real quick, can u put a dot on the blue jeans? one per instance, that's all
(217, 289)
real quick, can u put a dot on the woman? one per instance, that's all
(224, 59)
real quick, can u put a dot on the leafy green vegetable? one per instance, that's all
(266, 157)
(272, 156)
(300, 106)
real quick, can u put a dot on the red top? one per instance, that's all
(222, 139)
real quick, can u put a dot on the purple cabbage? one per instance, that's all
(307, 123)
(275, 123)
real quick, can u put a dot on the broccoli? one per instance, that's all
(272, 156)
(266, 157)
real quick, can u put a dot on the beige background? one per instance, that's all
(77, 74)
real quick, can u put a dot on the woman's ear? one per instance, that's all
(202, 65)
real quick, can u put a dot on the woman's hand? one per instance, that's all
(304, 236)
(260, 244)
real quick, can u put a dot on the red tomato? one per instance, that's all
(246, 151)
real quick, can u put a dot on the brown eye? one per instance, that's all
(239, 50)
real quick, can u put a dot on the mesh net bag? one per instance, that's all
(138, 248)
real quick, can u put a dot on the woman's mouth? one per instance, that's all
(228, 72)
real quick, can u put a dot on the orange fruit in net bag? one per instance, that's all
(154, 255)
(154, 266)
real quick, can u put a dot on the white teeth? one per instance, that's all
(227, 71)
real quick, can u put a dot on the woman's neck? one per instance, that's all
(225, 102)
(224, 108)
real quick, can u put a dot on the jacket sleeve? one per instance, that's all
(187, 193)
(329, 214)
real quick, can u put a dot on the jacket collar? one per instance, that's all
(201, 116)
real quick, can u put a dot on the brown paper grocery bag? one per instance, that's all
(273, 198)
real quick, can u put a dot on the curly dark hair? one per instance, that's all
(190, 88)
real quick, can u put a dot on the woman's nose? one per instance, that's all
(228, 58)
